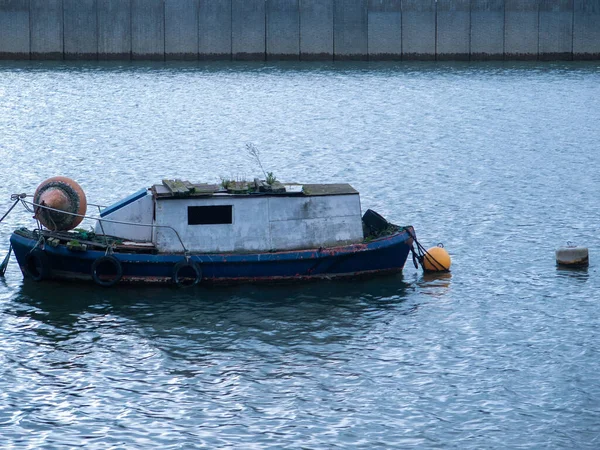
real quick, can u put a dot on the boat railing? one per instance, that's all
(36, 206)
(100, 207)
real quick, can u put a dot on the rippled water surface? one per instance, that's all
(499, 162)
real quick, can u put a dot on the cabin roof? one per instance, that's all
(123, 202)
(328, 189)
(184, 189)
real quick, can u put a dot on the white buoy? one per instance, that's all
(572, 256)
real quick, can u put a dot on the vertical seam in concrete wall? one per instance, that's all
(368, 50)
(30, 49)
(299, 30)
(231, 30)
(470, 27)
(368, 53)
(573, 30)
(164, 30)
(298, 3)
(401, 30)
(97, 33)
(299, 36)
(62, 5)
(504, 31)
(131, 30)
(435, 46)
(333, 25)
(538, 33)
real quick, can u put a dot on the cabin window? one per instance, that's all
(210, 215)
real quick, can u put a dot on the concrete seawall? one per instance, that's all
(300, 29)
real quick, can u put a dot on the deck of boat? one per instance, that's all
(90, 240)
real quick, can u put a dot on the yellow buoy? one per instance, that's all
(436, 259)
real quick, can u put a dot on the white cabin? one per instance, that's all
(210, 219)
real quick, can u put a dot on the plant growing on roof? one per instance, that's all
(270, 178)
(226, 182)
(254, 153)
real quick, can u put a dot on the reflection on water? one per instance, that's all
(337, 304)
(576, 273)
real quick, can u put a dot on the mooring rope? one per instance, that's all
(16, 198)
(4, 263)
(421, 253)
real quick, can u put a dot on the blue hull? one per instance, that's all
(384, 255)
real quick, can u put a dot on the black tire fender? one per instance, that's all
(37, 265)
(115, 277)
(177, 277)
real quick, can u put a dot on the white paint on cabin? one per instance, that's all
(313, 222)
(317, 207)
(140, 211)
(315, 233)
(249, 230)
(261, 223)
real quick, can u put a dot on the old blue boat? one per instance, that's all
(183, 233)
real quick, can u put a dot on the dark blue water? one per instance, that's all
(497, 161)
